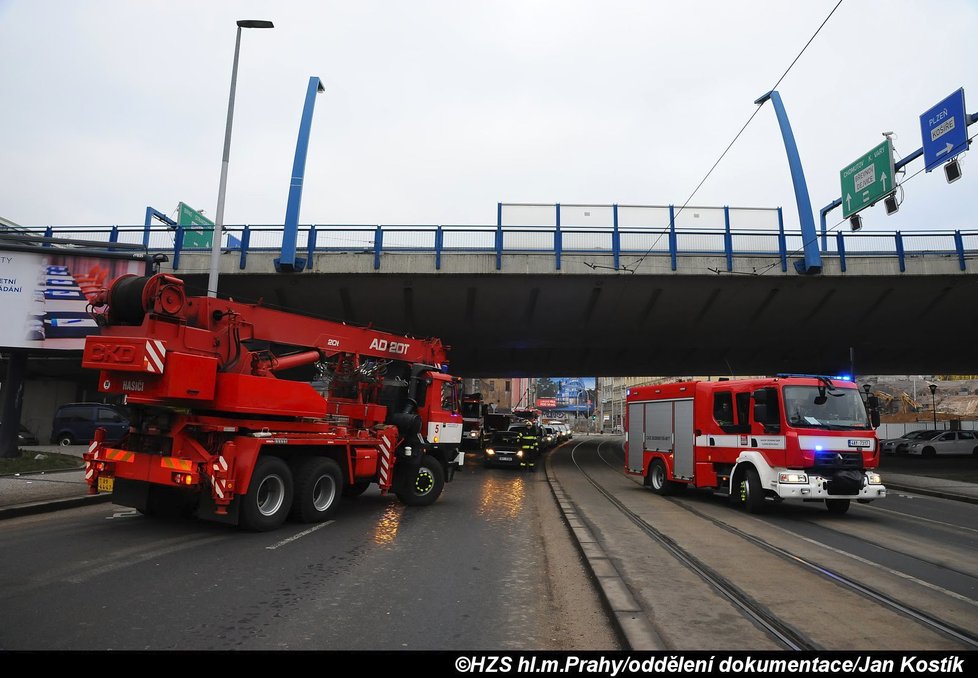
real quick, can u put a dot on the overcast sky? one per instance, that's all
(434, 111)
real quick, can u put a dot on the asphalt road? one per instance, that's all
(488, 566)
(916, 550)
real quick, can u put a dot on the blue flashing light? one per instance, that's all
(839, 377)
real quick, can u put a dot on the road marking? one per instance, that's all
(299, 536)
(131, 557)
(131, 513)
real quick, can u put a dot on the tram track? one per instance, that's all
(786, 634)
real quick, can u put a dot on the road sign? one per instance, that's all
(198, 228)
(944, 130)
(867, 179)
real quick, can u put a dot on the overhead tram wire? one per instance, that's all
(736, 137)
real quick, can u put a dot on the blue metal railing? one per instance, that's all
(624, 245)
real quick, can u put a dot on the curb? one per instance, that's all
(631, 622)
(940, 494)
(56, 505)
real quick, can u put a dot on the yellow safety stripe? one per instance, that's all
(118, 455)
(177, 464)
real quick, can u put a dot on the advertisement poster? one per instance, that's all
(566, 396)
(45, 297)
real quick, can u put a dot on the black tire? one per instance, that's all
(423, 485)
(837, 506)
(318, 487)
(750, 493)
(658, 478)
(65, 440)
(269, 498)
(356, 489)
(928, 452)
(974, 452)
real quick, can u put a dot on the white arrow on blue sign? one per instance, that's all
(944, 130)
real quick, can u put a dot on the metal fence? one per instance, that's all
(625, 244)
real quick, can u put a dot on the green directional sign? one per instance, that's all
(868, 179)
(197, 230)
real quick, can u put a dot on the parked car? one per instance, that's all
(900, 445)
(25, 437)
(945, 442)
(505, 448)
(75, 423)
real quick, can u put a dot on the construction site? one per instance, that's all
(910, 398)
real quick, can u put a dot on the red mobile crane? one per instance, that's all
(217, 432)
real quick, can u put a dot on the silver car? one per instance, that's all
(946, 442)
(900, 445)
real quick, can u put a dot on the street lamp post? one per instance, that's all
(933, 405)
(219, 218)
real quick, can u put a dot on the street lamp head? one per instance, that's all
(764, 97)
(255, 23)
(933, 388)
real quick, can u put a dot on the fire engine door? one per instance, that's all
(683, 443)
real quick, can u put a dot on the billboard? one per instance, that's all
(565, 396)
(45, 296)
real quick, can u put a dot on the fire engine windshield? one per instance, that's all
(821, 407)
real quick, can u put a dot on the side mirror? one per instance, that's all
(760, 413)
(873, 402)
(874, 418)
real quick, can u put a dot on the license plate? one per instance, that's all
(105, 484)
(504, 457)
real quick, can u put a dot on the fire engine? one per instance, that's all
(790, 437)
(473, 420)
(218, 430)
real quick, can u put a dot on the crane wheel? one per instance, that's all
(318, 486)
(269, 498)
(421, 486)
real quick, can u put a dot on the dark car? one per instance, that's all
(75, 423)
(506, 448)
(25, 437)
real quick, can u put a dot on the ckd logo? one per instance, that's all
(396, 347)
(113, 353)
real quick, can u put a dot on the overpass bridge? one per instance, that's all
(567, 301)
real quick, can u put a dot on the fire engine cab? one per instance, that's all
(790, 437)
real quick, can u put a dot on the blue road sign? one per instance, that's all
(944, 130)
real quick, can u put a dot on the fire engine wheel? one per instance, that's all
(658, 478)
(838, 506)
(318, 486)
(423, 486)
(269, 498)
(751, 496)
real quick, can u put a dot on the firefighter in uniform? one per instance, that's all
(530, 441)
